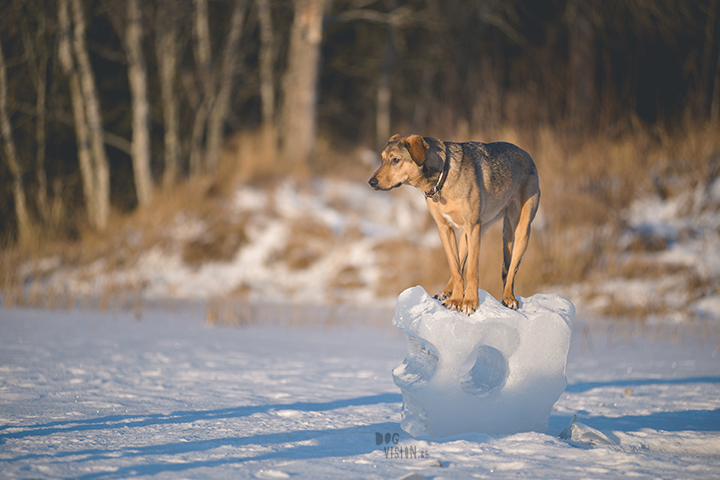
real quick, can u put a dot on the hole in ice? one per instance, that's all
(418, 367)
(484, 371)
(468, 364)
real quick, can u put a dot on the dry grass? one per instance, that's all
(220, 242)
(307, 243)
(585, 187)
(405, 264)
(349, 278)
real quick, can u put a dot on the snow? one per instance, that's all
(498, 371)
(91, 395)
(357, 217)
(670, 256)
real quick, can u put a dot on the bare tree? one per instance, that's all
(706, 87)
(715, 99)
(300, 92)
(36, 57)
(266, 56)
(91, 105)
(384, 94)
(267, 60)
(581, 64)
(26, 228)
(167, 57)
(203, 58)
(137, 76)
(223, 86)
(82, 129)
(216, 85)
(393, 20)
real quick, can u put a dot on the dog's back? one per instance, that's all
(501, 167)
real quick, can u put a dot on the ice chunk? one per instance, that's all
(580, 433)
(498, 371)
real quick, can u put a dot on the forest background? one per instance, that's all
(116, 112)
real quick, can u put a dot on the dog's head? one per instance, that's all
(402, 162)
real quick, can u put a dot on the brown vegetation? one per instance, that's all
(307, 243)
(220, 241)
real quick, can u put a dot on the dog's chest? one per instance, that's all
(449, 212)
(450, 220)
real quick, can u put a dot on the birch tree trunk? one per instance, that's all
(267, 59)
(196, 138)
(91, 103)
(167, 57)
(221, 102)
(203, 52)
(300, 92)
(82, 134)
(37, 59)
(217, 86)
(26, 228)
(137, 76)
(203, 58)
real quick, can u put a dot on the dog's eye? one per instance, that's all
(395, 159)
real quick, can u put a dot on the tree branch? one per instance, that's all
(400, 17)
(65, 118)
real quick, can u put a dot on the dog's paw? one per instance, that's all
(453, 304)
(442, 296)
(467, 307)
(511, 302)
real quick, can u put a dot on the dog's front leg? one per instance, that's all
(452, 296)
(446, 292)
(472, 267)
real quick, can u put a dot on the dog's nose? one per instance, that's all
(373, 182)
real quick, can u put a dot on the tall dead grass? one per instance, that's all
(585, 188)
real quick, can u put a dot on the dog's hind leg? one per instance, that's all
(509, 225)
(519, 245)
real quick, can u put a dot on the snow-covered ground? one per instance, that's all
(669, 265)
(312, 243)
(327, 241)
(102, 395)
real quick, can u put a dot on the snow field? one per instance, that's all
(91, 395)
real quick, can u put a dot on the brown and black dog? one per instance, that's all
(468, 186)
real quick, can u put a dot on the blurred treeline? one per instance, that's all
(105, 103)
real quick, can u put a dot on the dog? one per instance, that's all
(468, 186)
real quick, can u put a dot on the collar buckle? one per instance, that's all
(433, 194)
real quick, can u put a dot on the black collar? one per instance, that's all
(434, 193)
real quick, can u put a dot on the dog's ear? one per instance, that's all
(394, 138)
(417, 146)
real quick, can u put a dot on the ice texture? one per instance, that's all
(498, 371)
(580, 434)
